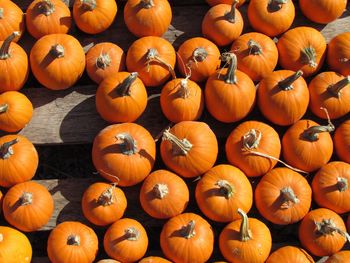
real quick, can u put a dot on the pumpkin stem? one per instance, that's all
(180, 147)
(6, 150)
(231, 59)
(46, 7)
(1, 12)
(26, 199)
(160, 190)
(275, 5)
(128, 145)
(153, 56)
(309, 56)
(254, 47)
(107, 196)
(73, 240)
(311, 134)
(88, 4)
(5, 47)
(231, 15)
(287, 83)
(342, 184)
(288, 197)
(132, 234)
(336, 88)
(226, 189)
(103, 61)
(188, 230)
(123, 89)
(147, 4)
(246, 233)
(199, 54)
(184, 91)
(328, 227)
(4, 108)
(57, 51)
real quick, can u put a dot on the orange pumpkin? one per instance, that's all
(187, 238)
(153, 58)
(338, 53)
(154, 260)
(94, 16)
(44, 17)
(121, 97)
(16, 111)
(339, 257)
(164, 194)
(290, 254)
(342, 141)
(124, 153)
(11, 19)
(104, 60)
(228, 2)
(57, 61)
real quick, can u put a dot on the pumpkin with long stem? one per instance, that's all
(338, 53)
(152, 259)
(290, 254)
(227, 2)
(11, 19)
(342, 141)
(339, 257)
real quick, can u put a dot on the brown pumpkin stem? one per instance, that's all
(184, 91)
(311, 134)
(275, 5)
(287, 83)
(254, 47)
(245, 232)
(132, 234)
(188, 230)
(336, 88)
(88, 4)
(342, 184)
(199, 54)
(1, 12)
(309, 56)
(26, 199)
(73, 240)
(160, 190)
(153, 56)
(4, 108)
(147, 4)
(231, 15)
(57, 51)
(46, 7)
(328, 227)
(180, 147)
(5, 47)
(6, 149)
(289, 197)
(226, 189)
(103, 61)
(123, 89)
(128, 145)
(107, 196)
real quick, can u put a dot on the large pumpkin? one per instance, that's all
(342, 141)
(338, 53)
(290, 254)
(11, 19)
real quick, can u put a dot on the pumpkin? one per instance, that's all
(271, 17)
(187, 238)
(253, 147)
(104, 60)
(322, 232)
(302, 48)
(283, 97)
(330, 186)
(153, 58)
(339, 257)
(163, 194)
(245, 240)
(147, 17)
(11, 19)
(290, 254)
(14, 246)
(223, 24)
(182, 99)
(94, 16)
(57, 61)
(72, 241)
(338, 53)
(13, 61)
(199, 58)
(103, 204)
(322, 11)
(28, 206)
(154, 260)
(342, 141)
(18, 160)
(44, 17)
(16, 111)
(126, 240)
(283, 196)
(330, 90)
(226, 89)
(221, 191)
(228, 2)
(121, 97)
(189, 148)
(124, 153)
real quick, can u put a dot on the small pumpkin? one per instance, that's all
(126, 240)
(342, 141)
(290, 254)
(94, 16)
(154, 260)
(72, 241)
(228, 2)
(28, 206)
(338, 53)
(11, 19)
(339, 257)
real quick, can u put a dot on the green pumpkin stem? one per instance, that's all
(26, 199)
(309, 56)
(128, 145)
(6, 149)
(88, 4)
(132, 234)
(342, 184)
(57, 51)
(226, 189)
(287, 83)
(73, 240)
(5, 47)
(188, 230)
(245, 232)
(276, 5)
(180, 147)
(231, 15)
(311, 134)
(147, 4)
(336, 88)
(103, 61)
(231, 59)
(160, 190)
(46, 7)
(254, 47)
(4, 108)
(123, 89)
(288, 197)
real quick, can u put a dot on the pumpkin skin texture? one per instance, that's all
(121, 97)
(228, 2)
(222, 24)
(339, 257)
(28, 206)
(164, 194)
(322, 11)
(283, 196)
(189, 148)
(104, 60)
(319, 232)
(94, 16)
(154, 260)
(153, 58)
(57, 61)
(16, 111)
(44, 17)
(187, 238)
(290, 254)
(283, 97)
(124, 153)
(126, 240)
(330, 186)
(271, 18)
(221, 191)
(18, 160)
(14, 61)
(338, 53)
(72, 241)
(11, 19)
(244, 140)
(331, 91)
(147, 17)
(103, 204)
(342, 141)
(14, 246)
(302, 48)
(200, 55)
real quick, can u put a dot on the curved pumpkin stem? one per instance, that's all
(328, 227)
(231, 60)
(123, 89)
(254, 47)
(73, 240)
(26, 199)
(231, 16)
(245, 232)
(46, 7)
(275, 5)
(128, 145)
(153, 56)
(226, 189)
(311, 134)
(160, 190)
(103, 61)
(132, 234)
(147, 4)
(188, 230)
(309, 56)
(336, 88)
(107, 197)
(342, 184)
(5, 47)
(57, 51)
(4, 108)
(6, 149)
(287, 83)
(180, 147)
(88, 4)
(288, 197)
